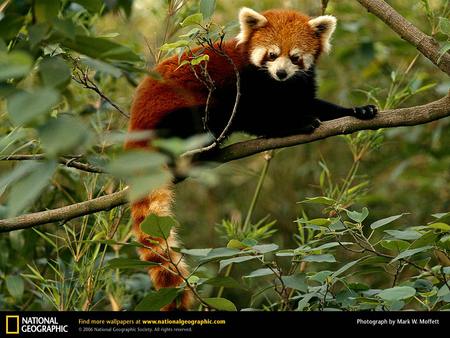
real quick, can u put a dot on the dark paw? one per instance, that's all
(365, 112)
(309, 128)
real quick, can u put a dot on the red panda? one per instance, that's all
(275, 54)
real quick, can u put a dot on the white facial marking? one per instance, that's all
(308, 61)
(295, 52)
(257, 56)
(281, 64)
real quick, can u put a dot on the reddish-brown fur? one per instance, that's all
(179, 88)
(286, 28)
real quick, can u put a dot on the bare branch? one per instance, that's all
(81, 77)
(388, 119)
(427, 45)
(65, 213)
(65, 160)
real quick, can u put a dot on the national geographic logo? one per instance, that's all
(12, 324)
(16, 324)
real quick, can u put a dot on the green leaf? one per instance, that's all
(347, 266)
(410, 252)
(444, 25)
(196, 252)
(24, 192)
(296, 282)
(101, 66)
(441, 217)
(10, 25)
(319, 200)
(260, 273)
(406, 235)
(226, 282)
(175, 45)
(14, 65)
(155, 300)
(321, 276)
(207, 8)
(286, 253)
(200, 59)
(317, 221)
(15, 286)
(394, 244)
(220, 304)
(397, 293)
(93, 6)
(63, 134)
(249, 242)
(441, 226)
(128, 263)
(224, 263)
(384, 221)
(20, 171)
(37, 33)
(235, 244)
(136, 162)
(220, 253)
(158, 226)
(194, 19)
(319, 258)
(443, 291)
(327, 246)
(141, 186)
(46, 10)
(265, 248)
(358, 217)
(444, 49)
(428, 238)
(23, 107)
(64, 29)
(101, 48)
(54, 72)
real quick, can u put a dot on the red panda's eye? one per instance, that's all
(272, 56)
(295, 58)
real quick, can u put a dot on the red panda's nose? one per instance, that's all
(281, 74)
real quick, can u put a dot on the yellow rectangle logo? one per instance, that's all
(12, 324)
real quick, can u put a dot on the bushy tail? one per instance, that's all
(167, 274)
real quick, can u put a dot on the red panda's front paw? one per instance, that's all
(365, 112)
(310, 127)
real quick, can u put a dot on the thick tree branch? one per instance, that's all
(65, 213)
(387, 119)
(427, 45)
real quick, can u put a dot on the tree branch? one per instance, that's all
(427, 45)
(65, 213)
(388, 119)
(64, 160)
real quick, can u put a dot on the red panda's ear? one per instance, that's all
(249, 20)
(324, 27)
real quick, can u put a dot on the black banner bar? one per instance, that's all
(209, 324)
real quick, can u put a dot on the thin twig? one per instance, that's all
(65, 160)
(82, 77)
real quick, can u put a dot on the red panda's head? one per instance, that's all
(284, 42)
